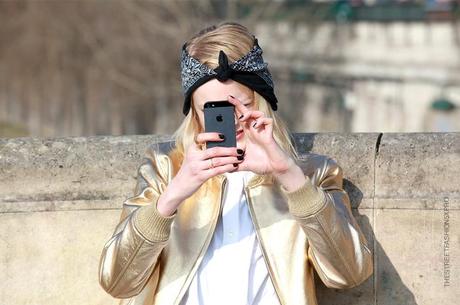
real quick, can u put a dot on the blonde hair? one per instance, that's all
(236, 41)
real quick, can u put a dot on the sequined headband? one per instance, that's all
(250, 70)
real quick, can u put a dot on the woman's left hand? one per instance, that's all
(262, 154)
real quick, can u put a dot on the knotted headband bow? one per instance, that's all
(250, 70)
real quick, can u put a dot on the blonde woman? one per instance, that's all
(238, 225)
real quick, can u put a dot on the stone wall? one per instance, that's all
(60, 200)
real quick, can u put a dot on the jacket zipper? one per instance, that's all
(205, 247)
(264, 254)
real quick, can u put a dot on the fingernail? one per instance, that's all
(241, 116)
(235, 164)
(221, 136)
(254, 125)
(240, 158)
(240, 151)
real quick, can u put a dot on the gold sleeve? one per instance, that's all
(130, 257)
(336, 247)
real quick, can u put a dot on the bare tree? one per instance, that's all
(97, 67)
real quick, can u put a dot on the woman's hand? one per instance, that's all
(262, 154)
(198, 166)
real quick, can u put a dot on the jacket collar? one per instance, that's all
(254, 181)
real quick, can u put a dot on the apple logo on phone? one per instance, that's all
(219, 118)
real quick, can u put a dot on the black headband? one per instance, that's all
(250, 70)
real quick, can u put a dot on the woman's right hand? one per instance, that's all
(198, 166)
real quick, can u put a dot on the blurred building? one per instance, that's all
(71, 69)
(378, 68)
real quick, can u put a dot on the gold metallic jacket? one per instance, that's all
(151, 259)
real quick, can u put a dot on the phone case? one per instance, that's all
(219, 116)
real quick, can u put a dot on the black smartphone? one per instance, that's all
(219, 116)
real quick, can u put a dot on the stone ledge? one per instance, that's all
(68, 173)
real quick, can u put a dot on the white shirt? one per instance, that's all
(233, 270)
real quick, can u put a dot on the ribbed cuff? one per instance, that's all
(305, 201)
(151, 224)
